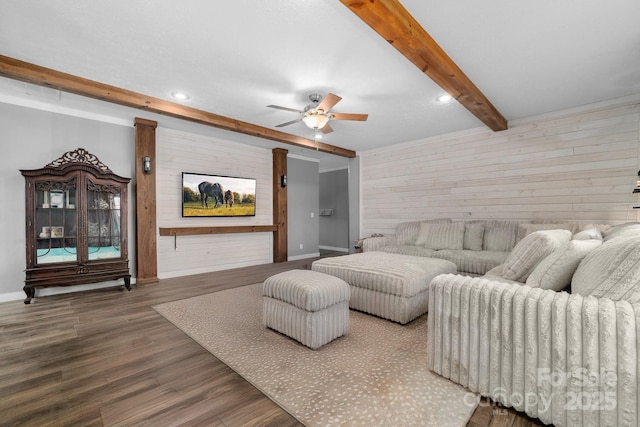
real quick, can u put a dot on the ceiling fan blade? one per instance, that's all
(289, 123)
(347, 116)
(328, 102)
(327, 129)
(277, 107)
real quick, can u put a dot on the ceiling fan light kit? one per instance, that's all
(315, 119)
(316, 115)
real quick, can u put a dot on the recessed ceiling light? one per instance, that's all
(444, 98)
(180, 96)
(318, 135)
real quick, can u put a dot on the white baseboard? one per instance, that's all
(303, 256)
(333, 248)
(12, 296)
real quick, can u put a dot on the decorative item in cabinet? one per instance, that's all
(76, 223)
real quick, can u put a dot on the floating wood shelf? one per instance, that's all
(191, 231)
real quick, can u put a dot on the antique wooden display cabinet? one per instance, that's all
(76, 223)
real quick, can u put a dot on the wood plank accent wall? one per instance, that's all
(146, 250)
(577, 165)
(193, 254)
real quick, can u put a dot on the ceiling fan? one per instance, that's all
(317, 114)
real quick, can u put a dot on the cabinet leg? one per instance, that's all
(127, 282)
(31, 293)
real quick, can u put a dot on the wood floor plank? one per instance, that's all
(107, 358)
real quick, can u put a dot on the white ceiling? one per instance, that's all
(236, 57)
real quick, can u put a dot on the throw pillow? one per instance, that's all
(555, 271)
(530, 251)
(610, 271)
(441, 236)
(602, 228)
(588, 234)
(627, 230)
(473, 236)
(527, 228)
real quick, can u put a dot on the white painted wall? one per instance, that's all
(303, 195)
(179, 152)
(30, 139)
(574, 165)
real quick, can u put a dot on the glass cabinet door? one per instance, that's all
(56, 222)
(103, 221)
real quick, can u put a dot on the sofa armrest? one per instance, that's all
(375, 243)
(558, 357)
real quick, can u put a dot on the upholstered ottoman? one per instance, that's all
(392, 286)
(308, 306)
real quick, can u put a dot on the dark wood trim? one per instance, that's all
(280, 236)
(192, 231)
(396, 25)
(146, 240)
(31, 73)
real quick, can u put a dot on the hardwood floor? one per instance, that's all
(106, 358)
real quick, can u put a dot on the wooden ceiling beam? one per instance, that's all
(35, 74)
(396, 25)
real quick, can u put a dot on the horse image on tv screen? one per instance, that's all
(214, 191)
(217, 195)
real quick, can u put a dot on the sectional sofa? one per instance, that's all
(475, 247)
(543, 317)
(552, 331)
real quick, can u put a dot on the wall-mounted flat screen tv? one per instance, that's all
(217, 195)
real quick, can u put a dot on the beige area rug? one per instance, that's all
(376, 375)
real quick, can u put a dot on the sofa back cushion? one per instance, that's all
(555, 271)
(407, 232)
(532, 249)
(612, 270)
(441, 236)
(473, 236)
(499, 235)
